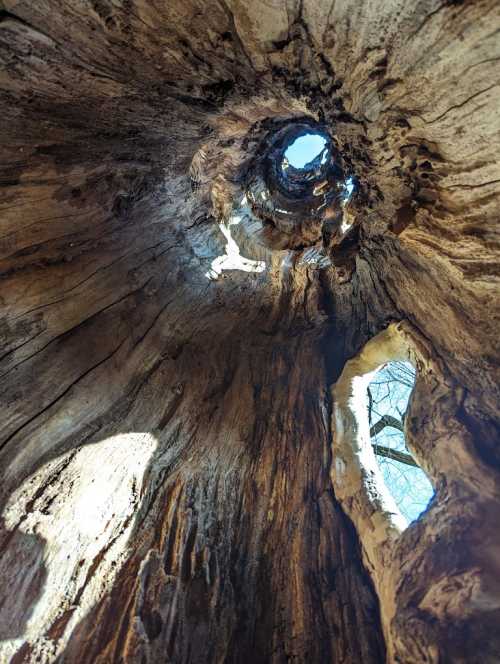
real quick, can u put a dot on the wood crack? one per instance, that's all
(463, 103)
(100, 269)
(446, 5)
(62, 334)
(60, 396)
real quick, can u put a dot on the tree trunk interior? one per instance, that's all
(181, 459)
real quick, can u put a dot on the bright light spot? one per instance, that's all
(85, 513)
(314, 256)
(306, 148)
(318, 189)
(348, 189)
(232, 260)
(346, 197)
(345, 226)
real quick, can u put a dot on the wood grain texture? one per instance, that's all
(167, 438)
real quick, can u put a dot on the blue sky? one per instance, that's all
(304, 149)
(409, 486)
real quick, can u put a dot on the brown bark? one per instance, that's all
(168, 437)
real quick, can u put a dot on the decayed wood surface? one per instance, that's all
(166, 440)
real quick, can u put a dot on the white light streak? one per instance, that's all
(232, 259)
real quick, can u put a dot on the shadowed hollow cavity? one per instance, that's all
(186, 317)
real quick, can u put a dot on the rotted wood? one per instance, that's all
(166, 434)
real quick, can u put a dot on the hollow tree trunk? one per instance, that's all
(166, 447)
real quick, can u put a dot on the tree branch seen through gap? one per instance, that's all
(397, 374)
(402, 457)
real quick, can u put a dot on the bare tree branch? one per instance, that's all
(386, 421)
(370, 404)
(389, 453)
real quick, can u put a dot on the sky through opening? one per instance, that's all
(304, 149)
(389, 392)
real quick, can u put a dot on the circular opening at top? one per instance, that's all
(306, 151)
(297, 184)
(303, 163)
